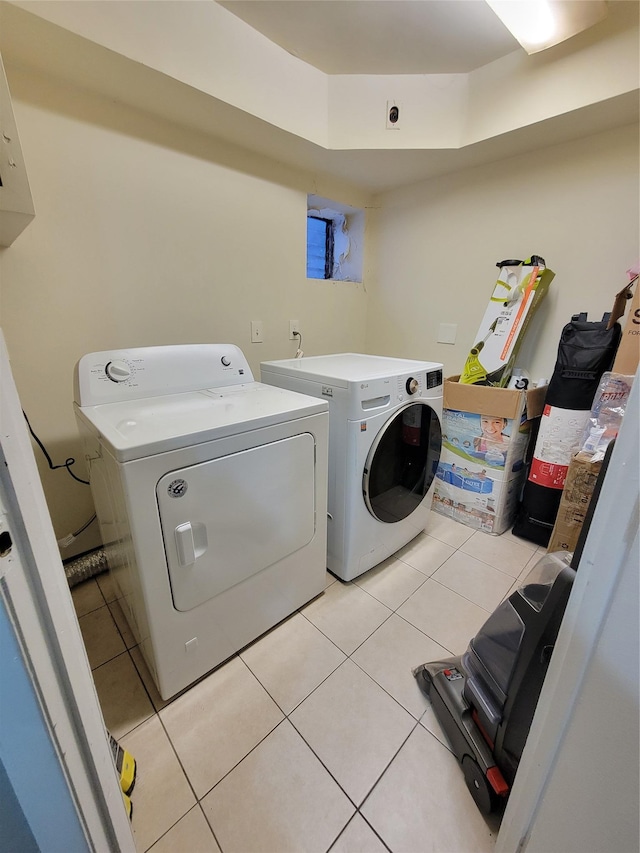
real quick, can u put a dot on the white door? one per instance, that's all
(229, 518)
(57, 778)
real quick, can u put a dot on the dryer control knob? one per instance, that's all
(225, 360)
(118, 371)
(412, 386)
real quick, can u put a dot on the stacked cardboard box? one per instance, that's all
(629, 350)
(576, 497)
(485, 436)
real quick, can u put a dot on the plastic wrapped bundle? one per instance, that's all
(607, 411)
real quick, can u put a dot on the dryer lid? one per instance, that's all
(133, 429)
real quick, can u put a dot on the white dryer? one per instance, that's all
(384, 446)
(211, 492)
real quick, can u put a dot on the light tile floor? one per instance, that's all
(316, 737)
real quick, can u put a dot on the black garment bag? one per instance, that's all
(586, 351)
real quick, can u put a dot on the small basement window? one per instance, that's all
(319, 247)
(334, 240)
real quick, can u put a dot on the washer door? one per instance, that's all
(402, 463)
(227, 519)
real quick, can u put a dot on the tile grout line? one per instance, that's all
(470, 600)
(348, 654)
(428, 636)
(194, 806)
(286, 715)
(188, 780)
(347, 825)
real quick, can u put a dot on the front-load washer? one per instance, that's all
(384, 447)
(210, 489)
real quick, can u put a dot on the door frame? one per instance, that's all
(36, 594)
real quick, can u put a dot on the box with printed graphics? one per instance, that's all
(485, 435)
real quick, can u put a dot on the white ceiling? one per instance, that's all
(388, 37)
(381, 36)
(460, 35)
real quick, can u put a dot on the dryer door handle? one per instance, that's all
(191, 542)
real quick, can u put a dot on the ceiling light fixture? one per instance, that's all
(539, 24)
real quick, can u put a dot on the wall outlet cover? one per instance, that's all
(447, 333)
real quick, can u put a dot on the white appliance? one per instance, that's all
(384, 447)
(210, 490)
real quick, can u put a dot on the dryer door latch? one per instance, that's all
(191, 542)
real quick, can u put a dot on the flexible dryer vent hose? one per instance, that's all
(86, 566)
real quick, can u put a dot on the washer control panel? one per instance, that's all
(386, 392)
(417, 384)
(113, 376)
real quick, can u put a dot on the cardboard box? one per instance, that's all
(574, 503)
(484, 400)
(474, 498)
(629, 350)
(485, 438)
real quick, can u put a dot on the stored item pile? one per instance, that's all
(485, 699)
(602, 427)
(586, 350)
(517, 452)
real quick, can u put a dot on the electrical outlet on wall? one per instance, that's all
(294, 326)
(393, 115)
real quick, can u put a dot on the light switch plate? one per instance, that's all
(257, 332)
(447, 333)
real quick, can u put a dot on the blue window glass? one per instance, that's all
(319, 247)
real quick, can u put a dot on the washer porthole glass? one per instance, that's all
(402, 463)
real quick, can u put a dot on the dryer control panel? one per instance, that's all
(128, 374)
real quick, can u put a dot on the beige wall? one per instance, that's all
(148, 234)
(437, 243)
